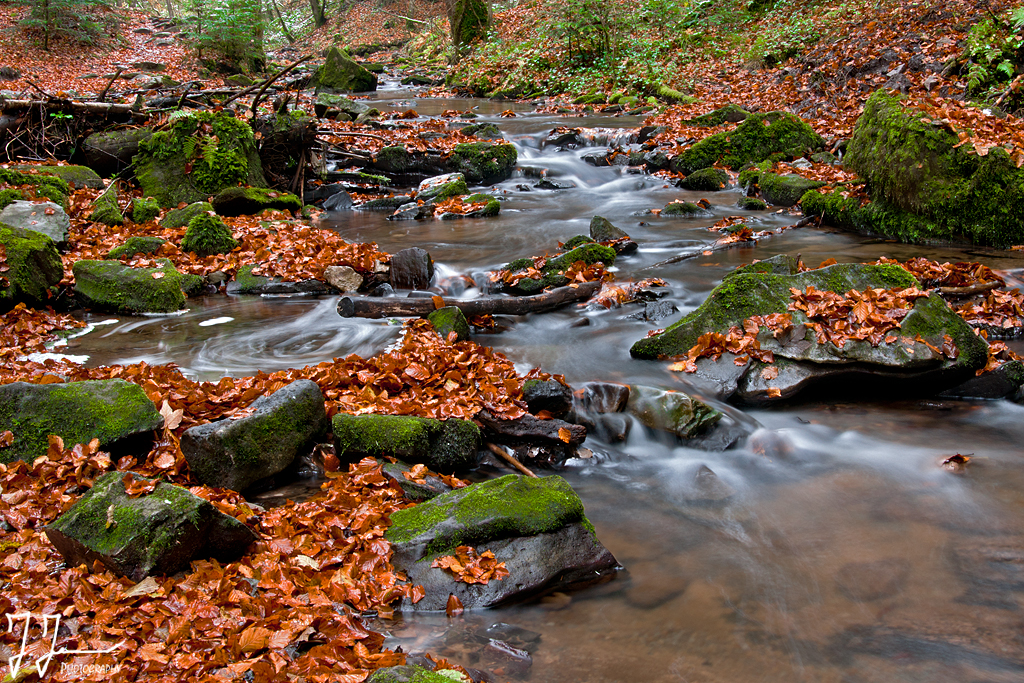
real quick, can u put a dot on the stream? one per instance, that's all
(844, 551)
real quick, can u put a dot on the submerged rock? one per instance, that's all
(671, 411)
(116, 412)
(442, 445)
(157, 533)
(113, 286)
(236, 453)
(47, 218)
(34, 267)
(537, 527)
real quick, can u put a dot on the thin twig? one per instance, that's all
(113, 78)
(977, 288)
(510, 459)
(350, 134)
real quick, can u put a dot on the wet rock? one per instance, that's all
(799, 360)
(602, 230)
(341, 74)
(652, 584)
(706, 180)
(529, 429)
(327, 103)
(655, 160)
(34, 267)
(236, 453)
(671, 411)
(442, 187)
(116, 412)
(423, 488)
(246, 282)
(385, 203)
(655, 311)
(680, 209)
(708, 489)
(442, 445)
(1003, 382)
(868, 581)
(549, 184)
(550, 395)
(598, 159)
(648, 132)
(450, 319)
(249, 201)
(343, 278)
(338, 201)
(612, 427)
(752, 204)
(46, 218)
(514, 635)
(603, 397)
(411, 268)
(412, 211)
(157, 533)
(564, 138)
(407, 674)
(498, 654)
(536, 527)
(137, 244)
(115, 287)
(485, 162)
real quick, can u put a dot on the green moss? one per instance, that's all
(407, 674)
(663, 92)
(756, 139)
(249, 283)
(207, 235)
(752, 204)
(341, 73)
(113, 286)
(932, 318)
(9, 196)
(450, 319)
(785, 190)
(79, 176)
(552, 272)
(875, 218)
(138, 244)
(144, 209)
(706, 180)
(179, 218)
(105, 209)
(201, 154)
(730, 113)
(248, 201)
(484, 162)
(78, 412)
(506, 507)
(54, 189)
(34, 266)
(482, 130)
(577, 241)
(683, 209)
(444, 445)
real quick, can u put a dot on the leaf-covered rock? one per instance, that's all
(537, 527)
(236, 453)
(156, 533)
(116, 412)
(442, 187)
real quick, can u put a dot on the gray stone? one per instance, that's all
(411, 268)
(157, 533)
(602, 230)
(236, 453)
(550, 395)
(604, 397)
(339, 201)
(442, 187)
(425, 488)
(343, 278)
(671, 411)
(45, 217)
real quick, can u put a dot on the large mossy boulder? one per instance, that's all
(45, 217)
(197, 157)
(249, 201)
(156, 533)
(925, 184)
(483, 162)
(468, 20)
(112, 151)
(33, 267)
(537, 527)
(180, 218)
(115, 287)
(442, 445)
(910, 358)
(116, 412)
(552, 273)
(341, 74)
(208, 235)
(759, 137)
(43, 185)
(237, 453)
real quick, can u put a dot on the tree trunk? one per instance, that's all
(284, 27)
(319, 12)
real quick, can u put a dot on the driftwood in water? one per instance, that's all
(374, 307)
(530, 429)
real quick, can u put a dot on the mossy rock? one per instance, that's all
(247, 283)
(730, 113)
(492, 207)
(443, 445)
(158, 533)
(552, 272)
(179, 218)
(341, 74)
(34, 267)
(326, 102)
(51, 187)
(394, 159)
(683, 209)
(671, 411)
(9, 196)
(412, 674)
(764, 288)
(706, 180)
(914, 165)
(873, 218)
(484, 131)
(208, 235)
(197, 157)
(106, 210)
(442, 187)
(785, 190)
(138, 244)
(757, 138)
(82, 177)
(483, 162)
(113, 286)
(663, 92)
(577, 241)
(450, 319)
(602, 230)
(116, 412)
(144, 209)
(505, 507)
(249, 201)
(752, 204)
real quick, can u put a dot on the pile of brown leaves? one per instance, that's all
(27, 330)
(998, 353)
(284, 610)
(934, 274)
(418, 474)
(999, 310)
(614, 295)
(577, 272)
(865, 315)
(469, 567)
(742, 342)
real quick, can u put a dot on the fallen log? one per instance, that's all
(377, 307)
(531, 429)
(66, 105)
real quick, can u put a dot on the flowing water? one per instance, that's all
(844, 553)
